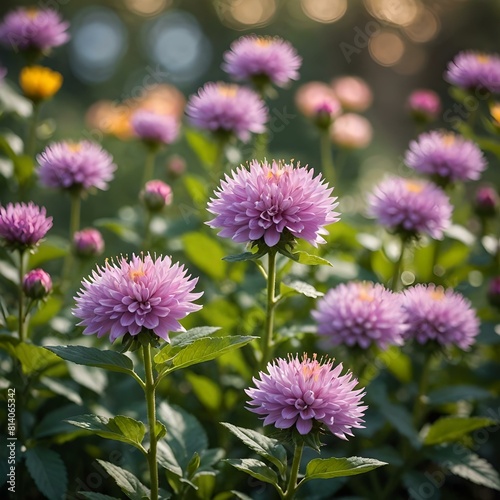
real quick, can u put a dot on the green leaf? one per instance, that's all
(197, 189)
(50, 249)
(23, 168)
(326, 468)
(54, 423)
(166, 459)
(254, 468)
(48, 471)
(119, 428)
(413, 481)
(47, 310)
(397, 363)
(310, 260)
(462, 462)
(301, 287)
(206, 253)
(206, 390)
(448, 429)
(202, 350)
(266, 447)
(126, 481)
(90, 356)
(160, 430)
(204, 149)
(92, 495)
(454, 393)
(66, 388)
(240, 257)
(402, 420)
(189, 336)
(34, 358)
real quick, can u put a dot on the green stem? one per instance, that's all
(420, 404)
(327, 157)
(149, 165)
(292, 485)
(76, 206)
(151, 406)
(218, 167)
(31, 138)
(147, 232)
(398, 266)
(260, 146)
(267, 338)
(435, 257)
(21, 316)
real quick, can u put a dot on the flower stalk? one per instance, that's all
(22, 317)
(292, 485)
(327, 164)
(267, 339)
(149, 391)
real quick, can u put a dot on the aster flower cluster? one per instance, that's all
(472, 70)
(273, 203)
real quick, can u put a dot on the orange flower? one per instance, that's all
(39, 83)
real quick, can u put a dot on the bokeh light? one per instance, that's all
(147, 7)
(386, 48)
(401, 12)
(99, 40)
(240, 14)
(324, 11)
(424, 28)
(176, 41)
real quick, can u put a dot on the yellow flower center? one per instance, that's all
(135, 274)
(483, 58)
(364, 293)
(228, 90)
(39, 83)
(437, 294)
(414, 186)
(262, 41)
(32, 12)
(448, 140)
(74, 147)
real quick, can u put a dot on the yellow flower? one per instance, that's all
(39, 83)
(495, 113)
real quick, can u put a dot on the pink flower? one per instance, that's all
(424, 105)
(317, 97)
(134, 296)
(273, 202)
(351, 131)
(306, 393)
(353, 93)
(37, 284)
(156, 195)
(88, 243)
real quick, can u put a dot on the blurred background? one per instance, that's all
(120, 49)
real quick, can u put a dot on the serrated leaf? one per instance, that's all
(34, 358)
(303, 288)
(202, 350)
(266, 447)
(310, 260)
(126, 481)
(462, 462)
(326, 468)
(448, 429)
(90, 356)
(119, 428)
(188, 337)
(254, 468)
(48, 471)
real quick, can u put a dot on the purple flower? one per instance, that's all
(75, 166)
(33, 29)
(362, 314)
(136, 295)
(22, 225)
(447, 156)
(155, 128)
(436, 314)
(272, 202)
(424, 105)
(88, 243)
(411, 207)
(228, 109)
(37, 284)
(156, 195)
(306, 392)
(475, 70)
(262, 59)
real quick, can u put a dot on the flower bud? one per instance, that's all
(494, 292)
(176, 166)
(39, 83)
(37, 284)
(88, 243)
(156, 195)
(424, 105)
(486, 202)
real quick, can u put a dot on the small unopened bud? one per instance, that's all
(37, 284)
(176, 166)
(424, 105)
(88, 243)
(494, 292)
(486, 202)
(156, 195)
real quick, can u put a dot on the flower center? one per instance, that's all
(32, 12)
(414, 187)
(437, 294)
(483, 58)
(228, 90)
(135, 274)
(74, 147)
(448, 140)
(262, 41)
